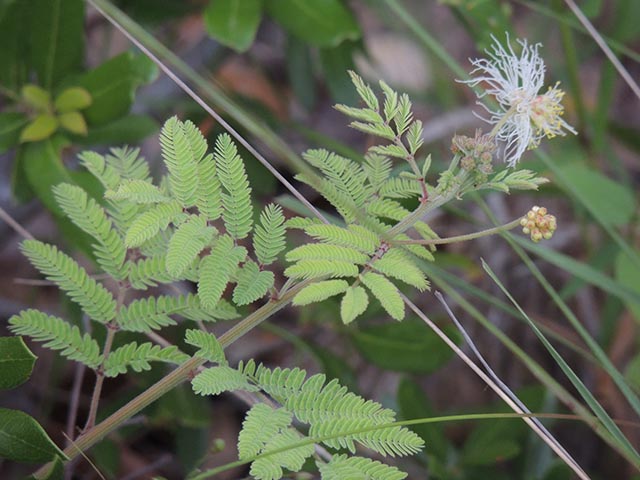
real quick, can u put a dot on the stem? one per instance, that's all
(461, 238)
(112, 328)
(172, 380)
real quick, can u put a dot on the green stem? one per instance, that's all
(461, 238)
(172, 380)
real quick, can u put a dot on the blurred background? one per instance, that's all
(274, 69)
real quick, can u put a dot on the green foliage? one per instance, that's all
(209, 201)
(233, 22)
(22, 439)
(137, 191)
(396, 264)
(186, 244)
(354, 303)
(208, 346)
(237, 209)
(269, 235)
(386, 293)
(215, 380)
(65, 272)
(182, 149)
(325, 251)
(92, 219)
(319, 291)
(58, 335)
(152, 221)
(305, 269)
(267, 429)
(358, 468)
(252, 283)
(17, 362)
(137, 358)
(217, 268)
(328, 408)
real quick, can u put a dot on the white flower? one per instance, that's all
(524, 116)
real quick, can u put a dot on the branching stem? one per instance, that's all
(112, 328)
(461, 238)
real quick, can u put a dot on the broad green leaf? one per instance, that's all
(74, 98)
(22, 439)
(324, 23)
(36, 97)
(11, 123)
(300, 71)
(490, 442)
(74, 122)
(628, 275)
(413, 404)
(55, 469)
(409, 346)
(336, 63)
(14, 55)
(42, 163)
(43, 126)
(233, 22)
(112, 86)
(611, 202)
(16, 362)
(125, 130)
(56, 38)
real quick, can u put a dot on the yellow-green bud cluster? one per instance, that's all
(538, 224)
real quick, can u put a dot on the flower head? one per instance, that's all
(523, 116)
(539, 224)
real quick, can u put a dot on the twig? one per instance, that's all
(485, 378)
(112, 328)
(500, 383)
(15, 225)
(605, 48)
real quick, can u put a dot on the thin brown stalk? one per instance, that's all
(486, 379)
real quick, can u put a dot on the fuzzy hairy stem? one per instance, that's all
(173, 379)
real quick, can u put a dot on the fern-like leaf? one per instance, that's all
(148, 272)
(216, 270)
(128, 163)
(150, 222)
(397, 187)
(215, 380)
(61, 269)
(187, 243)
(209, 201)
(153, 313)
(323, 251)
(396, 264)
(252, 284)
(354, 303)
(137, 191)
(293, 458)
(181, 150)
(137, 358)
(91, 218)
(269, 235)
(305, 269)
(208, 346)
(342, 467)
(238, 211)
(319, 291)
(58, 335)
(353, 237)
(386, 293)
(329, 408)
(99, 168)
(260, 425)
